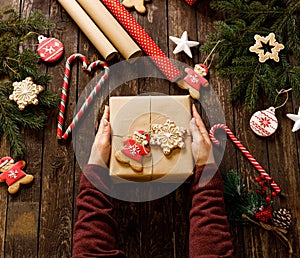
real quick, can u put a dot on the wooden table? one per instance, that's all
(38, 221)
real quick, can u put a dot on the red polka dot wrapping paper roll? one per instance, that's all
(142, 39)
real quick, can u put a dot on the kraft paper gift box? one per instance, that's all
(130, 114)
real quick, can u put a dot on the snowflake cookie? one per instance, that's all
(168, 136)
(25, 93)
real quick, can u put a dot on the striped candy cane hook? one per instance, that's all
(246, 153)
(88, 101)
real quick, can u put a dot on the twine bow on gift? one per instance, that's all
(88, 101)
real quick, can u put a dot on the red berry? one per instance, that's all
(261, 183)
(262, 176)
(256, 179)
(274, 194)
(268, 199)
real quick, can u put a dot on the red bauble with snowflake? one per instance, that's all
(50, 49)
(264, 122)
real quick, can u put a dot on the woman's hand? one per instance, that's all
(201, 145)
(101, 147)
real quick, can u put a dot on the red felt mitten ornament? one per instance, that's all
(264, 122)
(50, 49)
(13, 175)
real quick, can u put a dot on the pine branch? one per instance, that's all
(18, 61)
(235, 34)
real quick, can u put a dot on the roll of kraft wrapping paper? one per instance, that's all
(143, 39)
(111, 28)
(88, 27)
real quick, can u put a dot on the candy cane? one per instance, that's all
(247, 154)
(87, 102)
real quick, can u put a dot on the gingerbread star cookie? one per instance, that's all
(137, 4)
(168, 136)
(25, 93)
(264, 55)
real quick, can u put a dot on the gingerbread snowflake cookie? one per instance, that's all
(25, 93)
(168, 136)
(135, 148)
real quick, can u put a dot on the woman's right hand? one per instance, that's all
(201, 145)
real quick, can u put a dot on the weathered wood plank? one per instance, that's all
(58, 166)
(283, 150)
(181, 17)
(156, 216)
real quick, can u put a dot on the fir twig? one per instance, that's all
(243, 19)
(18, 61)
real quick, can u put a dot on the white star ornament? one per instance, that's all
(296, 119)
(183, 44)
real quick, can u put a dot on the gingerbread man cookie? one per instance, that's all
(137, 4)
(134, 150)
(194, 79)
(13, 174)
(25, 93)
(168, 136)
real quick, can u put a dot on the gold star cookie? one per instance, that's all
(25, 93)
(168, 136)
(269, 40)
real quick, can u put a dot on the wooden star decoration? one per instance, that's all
(259, 49)
(183, 44)
(25, 93)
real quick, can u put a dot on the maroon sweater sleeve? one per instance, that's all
(95, 228)
(209, 228)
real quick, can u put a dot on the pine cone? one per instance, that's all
(282, 218)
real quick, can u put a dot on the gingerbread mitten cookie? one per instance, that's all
(134, 150)
(194, 79)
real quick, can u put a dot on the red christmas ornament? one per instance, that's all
(50, 49)
(264, 122)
